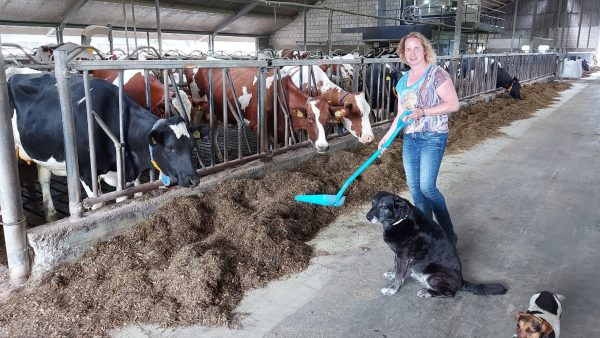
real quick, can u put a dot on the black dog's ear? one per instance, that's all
(399, 202)
(378, 195)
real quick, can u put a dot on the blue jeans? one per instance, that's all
(422, 155)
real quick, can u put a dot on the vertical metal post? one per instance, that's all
(211, 44)
(557, 19)
(211, 109)
(563, 42)
(225, 120)
(165, 75)
(13, 219)
(512, 37)
(262, 110)
(72, 161)
(59, 34)
(275, 109)
(91, 136)
(329, 32)
(125, 27)
(119, 153)
(134, 26)
(157, 10)
(147, 89)
(531, 36)
(579, 28)
(457, 27)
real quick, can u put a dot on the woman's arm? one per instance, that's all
(448, 98)
(392, 127)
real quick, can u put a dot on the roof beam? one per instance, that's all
(237, 15)
(495, 2)
(72, 12)
(196, 8)
(120, 28)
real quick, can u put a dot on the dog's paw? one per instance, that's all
(389, 291)
(424, 293)
(390, 275)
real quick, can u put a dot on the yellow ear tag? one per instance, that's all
(299, 113)
(197, 134)
(388, 78)
(155, 165)
(338, 114)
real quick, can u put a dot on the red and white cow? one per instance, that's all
(310, 114)
(135, 88)
(356, 121)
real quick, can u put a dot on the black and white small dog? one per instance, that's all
(542, 319)
(423, 248)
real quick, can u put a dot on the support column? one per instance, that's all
(512, 38)
(457, 27)
(157, 10)
(13, 220)
(72, 163)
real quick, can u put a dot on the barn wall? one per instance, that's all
(579, 19)
(557, 23)
(292, 36)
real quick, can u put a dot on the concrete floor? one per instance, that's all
(526, 208)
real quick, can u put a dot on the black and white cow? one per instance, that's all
(472, 69)
(375, 86)
(512, 85)
(38, 134)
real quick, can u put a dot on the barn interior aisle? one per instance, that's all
(149, 185)
(192, 261)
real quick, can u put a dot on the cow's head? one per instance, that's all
(515, 88)
(314, 118)
(356, 117)
(171, 148)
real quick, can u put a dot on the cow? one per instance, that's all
(135, 88)
(468, 68)
(356, 119)
(150, 141)
(45, 53)
(512, 86)
(292, 54)
(344, 73)
(381, 77)
(305, 112)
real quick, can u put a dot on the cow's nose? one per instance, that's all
(322, 149)
(366, 138)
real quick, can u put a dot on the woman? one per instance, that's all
(427, 91)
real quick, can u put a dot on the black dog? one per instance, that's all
(423, 248)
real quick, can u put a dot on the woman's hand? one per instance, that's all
(417, 113)
(382, 142)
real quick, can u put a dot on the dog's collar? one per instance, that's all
(402, 219)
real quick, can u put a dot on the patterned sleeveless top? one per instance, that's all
(422, 94)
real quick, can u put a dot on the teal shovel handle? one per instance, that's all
(389, 141)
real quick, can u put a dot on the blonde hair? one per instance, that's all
(430, 55)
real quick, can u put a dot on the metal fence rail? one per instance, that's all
(472, 75)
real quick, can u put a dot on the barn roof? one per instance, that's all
(225, 17)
